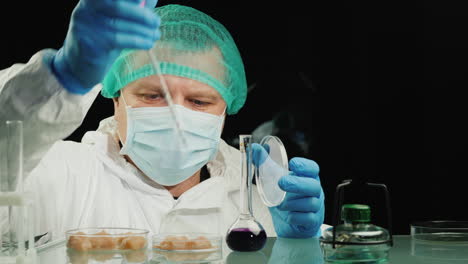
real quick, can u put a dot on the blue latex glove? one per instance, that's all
(302, 212)
(99, 30)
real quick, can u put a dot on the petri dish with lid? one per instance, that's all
(107, 239)
(187, 247)
(190, 242)
(271, 163)
(441, 231)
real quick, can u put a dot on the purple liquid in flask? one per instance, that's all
(243, 239)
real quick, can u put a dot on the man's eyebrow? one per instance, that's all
(148, 87)
(204, 94)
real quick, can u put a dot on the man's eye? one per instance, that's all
(151, 96)
(198, 102)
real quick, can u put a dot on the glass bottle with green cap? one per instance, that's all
(356, 240)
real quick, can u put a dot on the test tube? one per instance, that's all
(13, 178)
(11, 188)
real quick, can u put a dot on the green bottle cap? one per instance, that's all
(355, 213)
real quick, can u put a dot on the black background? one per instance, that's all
(378, 90)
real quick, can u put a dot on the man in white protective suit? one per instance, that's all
(131, 172)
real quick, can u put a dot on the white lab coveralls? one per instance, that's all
(89, 184)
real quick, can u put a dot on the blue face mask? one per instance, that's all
(152, 144)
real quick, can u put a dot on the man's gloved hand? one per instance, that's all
(302, 212)
(99, 30)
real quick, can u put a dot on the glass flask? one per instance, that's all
(246, 233)
(15, 204)
(356, 240)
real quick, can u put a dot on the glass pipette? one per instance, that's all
(167, 95)
(168, 98)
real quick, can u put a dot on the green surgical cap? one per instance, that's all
(192, 45)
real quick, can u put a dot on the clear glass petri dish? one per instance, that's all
(187, 247)
(107, 239)
(199, 242)
(441, 231)
(272, 167)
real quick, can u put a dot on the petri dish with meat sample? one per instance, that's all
(107, 239)
(187, 246)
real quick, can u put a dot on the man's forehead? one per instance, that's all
(187, 85)
(209, 61)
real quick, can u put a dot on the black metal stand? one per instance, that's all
(339, 197)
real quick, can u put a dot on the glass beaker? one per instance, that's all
(246, 233)
(15, 206)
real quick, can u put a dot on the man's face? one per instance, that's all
(147, 92)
